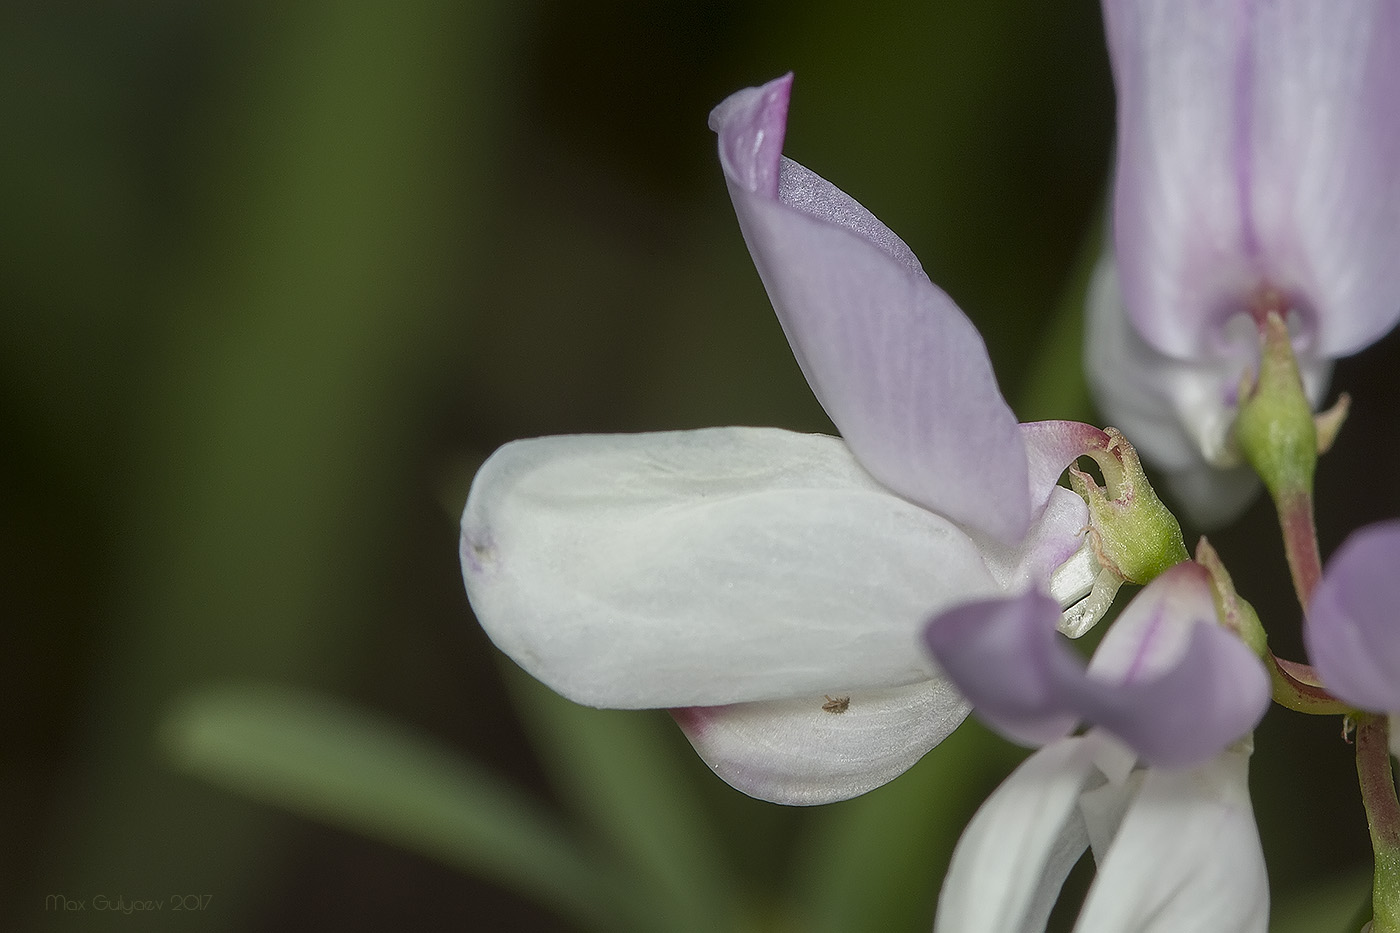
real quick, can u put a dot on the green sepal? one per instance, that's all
(1275, 427)
(1131, 531)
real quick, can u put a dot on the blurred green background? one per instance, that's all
(276, 277)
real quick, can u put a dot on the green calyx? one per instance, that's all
(1132, 532)
(1275, 426)
(1235, 613)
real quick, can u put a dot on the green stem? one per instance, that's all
(1297, 688)
(1383, 818)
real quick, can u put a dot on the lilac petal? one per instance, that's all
(1186, 857)
(1168, 679)
(822, 749)
(1258, 146)
(898, 367)
(1351, 630)
(1013, 857)
(701, 568)
(1001, 654)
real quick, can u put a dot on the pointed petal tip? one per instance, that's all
(751, 125)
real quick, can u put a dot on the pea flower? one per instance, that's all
(1257, 170)
(1350, 628)
(770, 587)
(1175, 841)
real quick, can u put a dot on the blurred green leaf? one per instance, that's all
(618, 770)
(329, 761)
(272, 444)
(876, 862)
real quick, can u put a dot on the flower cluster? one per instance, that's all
(819, 612)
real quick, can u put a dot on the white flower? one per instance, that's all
(1177, 850)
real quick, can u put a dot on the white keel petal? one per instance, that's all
(702, 568)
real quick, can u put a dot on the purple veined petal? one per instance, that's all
(701, 568)
(1177, 413)
(822, 749)
(1002, 655)
(1168, 679)
(1352, 629)
(1012, 859)
(1258, 146)
(898, 367)
(1186, 857)
(1326, 147)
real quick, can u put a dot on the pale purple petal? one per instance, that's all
(1013, 857)
(700, 568)
(1186, 857)
(1326, 162)
(1167, 679)
(898, 367)
(1002, 655)
(1353, 623)
(825, 748)
(1258, 146)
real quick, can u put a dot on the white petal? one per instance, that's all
(826, 748)
(701, 568)
(1103, 808)
(1013, 857)
(1187, 857)
(1074, 578)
